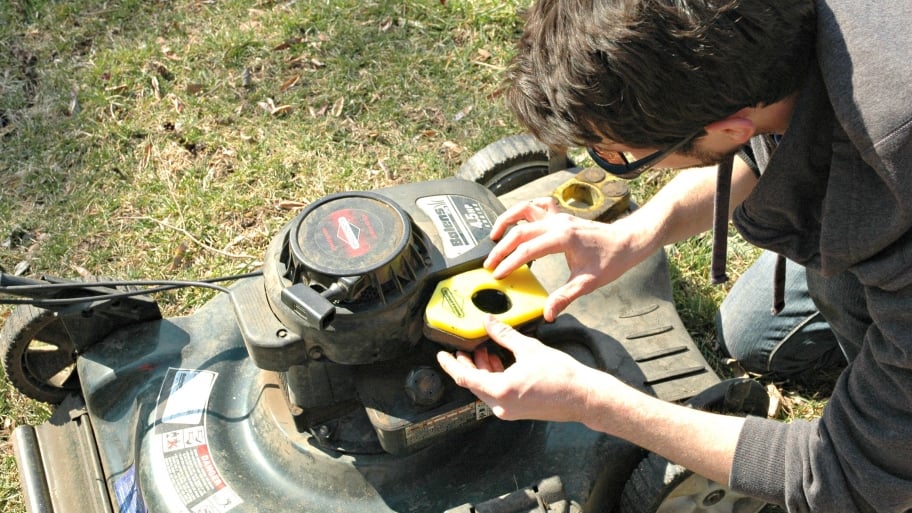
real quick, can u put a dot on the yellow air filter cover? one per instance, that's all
(456, 311)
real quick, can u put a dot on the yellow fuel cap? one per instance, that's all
(456, 311)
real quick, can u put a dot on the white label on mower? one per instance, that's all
(187, 397)
(460, 221)
(180, 448)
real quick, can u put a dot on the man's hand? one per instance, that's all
(596, 253)
(543, 383)
(547, 384)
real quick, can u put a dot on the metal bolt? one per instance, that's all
(713, 498)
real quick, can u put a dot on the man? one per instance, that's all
(822, 93)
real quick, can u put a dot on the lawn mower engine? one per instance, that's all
(314, 386)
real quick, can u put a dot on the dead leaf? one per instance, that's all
(317, 113)
(776, 401)
(146, 156)
(82, 271)
(337, 107)
(156, 91)
(284, 45)
(463, 113)
(267, 105)
(482, 55)
(270, 107)
(289, 83)
(451, 149)
(178, 104)
(21, 268)
(180, 255)
(281, 110)
(161, 69)
(291, 204)
(74, 108)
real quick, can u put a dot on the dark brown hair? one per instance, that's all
(648, 73)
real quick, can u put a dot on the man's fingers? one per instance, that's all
(466, 375)
(531, 210)
(561, 298)
(522, 245)
(504, 335)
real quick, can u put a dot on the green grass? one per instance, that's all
(170, 140)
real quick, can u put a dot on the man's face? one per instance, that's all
(705, 151)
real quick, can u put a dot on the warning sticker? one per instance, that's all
(127, 493)
(181, 444)
(461, 221)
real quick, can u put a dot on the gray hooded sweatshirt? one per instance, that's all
(836, 196)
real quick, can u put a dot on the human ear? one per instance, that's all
(737, 129)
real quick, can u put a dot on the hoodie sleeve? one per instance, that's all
(858, 455)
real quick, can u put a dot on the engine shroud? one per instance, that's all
(347, 279)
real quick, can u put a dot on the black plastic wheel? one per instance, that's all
(39, 356)
(660, 486)
(508, 163)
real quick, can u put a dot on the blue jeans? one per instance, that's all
(798, 339)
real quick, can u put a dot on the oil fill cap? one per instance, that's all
(455, 314)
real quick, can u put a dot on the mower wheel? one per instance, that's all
(660, 486)
(38, 355)
(508, 163)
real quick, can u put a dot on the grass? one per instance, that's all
(170, 140)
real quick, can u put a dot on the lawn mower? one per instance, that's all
(311, 385)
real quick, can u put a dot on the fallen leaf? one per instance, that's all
(180, 254)
(267, 105)
(156, 91)
(482, 55)
(316, 113)
(178, 104)
(463, 113)
(775, 400)
(291, 204)
(451, 148)
(289, 83)
(284, 45)
(146, 156)
(21, 268)
(337, 107)
(74, 104)
(281, 110)
(82, 271)
(161, 69)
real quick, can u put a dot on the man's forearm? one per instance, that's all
(700, 441)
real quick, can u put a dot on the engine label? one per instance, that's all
(446, 422)
(181, 447)
(460, 221)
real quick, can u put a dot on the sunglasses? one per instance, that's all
(617, 163)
